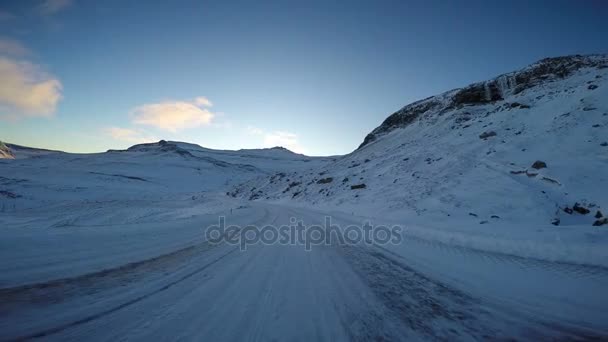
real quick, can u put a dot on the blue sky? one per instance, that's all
(314, 76)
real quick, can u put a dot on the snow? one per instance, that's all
(437, 172)
(143, 172)
(111, 246)
(96, 205)
(417, 290)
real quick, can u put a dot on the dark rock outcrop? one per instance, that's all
(479, 93)
(8, 194)
(5, 152)
(601, 222)
(518, 105)
(580, 209)
(539, 165)
(325, 180)
(401, 118)
(486, 135)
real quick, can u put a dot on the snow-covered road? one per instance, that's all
(173, 285)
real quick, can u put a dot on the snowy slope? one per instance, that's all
(100, 186)
(5, 152)
(22, 152)
(467, 153)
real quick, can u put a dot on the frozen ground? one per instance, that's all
(167, 282)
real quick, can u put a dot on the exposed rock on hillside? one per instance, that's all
(544, 71)
(472, 150)
(5, 152)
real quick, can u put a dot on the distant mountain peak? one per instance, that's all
(5, 152)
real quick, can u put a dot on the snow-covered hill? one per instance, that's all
(12, 151)
(102, 186)
(5, 152)
(523, 147)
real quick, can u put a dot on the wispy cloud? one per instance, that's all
(12, 47)
(50, 7)
(285, 139)
(129, 135)
(203, 102)
(254, 130)
(174, 116)
(26, 90)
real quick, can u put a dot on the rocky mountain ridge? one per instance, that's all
(497, 89)
(470, 153)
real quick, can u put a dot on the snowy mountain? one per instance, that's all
(528, 146)
(75, 183)
(5, 152)
(21, 152)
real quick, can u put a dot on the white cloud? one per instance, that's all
(174, 116)
(129, 135)
(26, 90)
(202, 101)
(284, 139)
(277, 138)
(50, 7)
(12, 47)
(254, 130)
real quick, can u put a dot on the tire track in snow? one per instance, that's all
(532, 327)
(439, 311)
(428, 307)
(55, 291)
(60, 328)
(412, 301)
